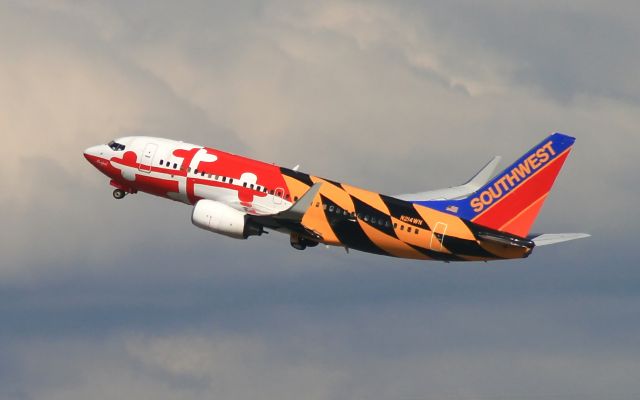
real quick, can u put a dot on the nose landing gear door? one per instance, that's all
(147, 157)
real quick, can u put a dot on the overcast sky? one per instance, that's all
(107, 299)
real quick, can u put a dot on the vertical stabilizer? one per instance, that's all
(511, 201)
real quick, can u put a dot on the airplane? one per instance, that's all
(487, 218)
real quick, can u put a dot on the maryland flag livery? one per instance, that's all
(484, 219)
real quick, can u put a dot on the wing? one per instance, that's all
(291, 218)
(456, 192)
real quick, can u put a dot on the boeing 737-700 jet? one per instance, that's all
(488, 218)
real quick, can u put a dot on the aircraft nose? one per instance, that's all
(95, 155)
(92, 152)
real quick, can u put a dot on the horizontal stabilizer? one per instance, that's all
(553, 238)
(456, 192)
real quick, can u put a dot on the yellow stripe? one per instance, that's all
(370, 198)
(390, 244)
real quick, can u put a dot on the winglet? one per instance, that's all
(300, 207)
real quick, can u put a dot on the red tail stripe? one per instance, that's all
(522, 223)
(522, 196)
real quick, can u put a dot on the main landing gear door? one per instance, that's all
(147, 157)
(437, 236)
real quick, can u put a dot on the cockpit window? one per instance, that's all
(115, 146)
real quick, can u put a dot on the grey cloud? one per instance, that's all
(420, 349)
(127, 299)
(565, 49)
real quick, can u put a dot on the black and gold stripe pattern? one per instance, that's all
(367, 221)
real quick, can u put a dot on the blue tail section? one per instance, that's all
(511, 200)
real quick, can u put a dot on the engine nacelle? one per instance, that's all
(220, 218)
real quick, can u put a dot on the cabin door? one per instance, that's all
(147, 157)
(437, 236)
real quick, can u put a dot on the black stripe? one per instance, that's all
(301, 176)
(466, 247)
(363, 209)
(399, 208)
(436, 255)
(348, 231)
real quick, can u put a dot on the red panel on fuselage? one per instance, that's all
(231, 165)
(157, 186)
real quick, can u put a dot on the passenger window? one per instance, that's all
(295, 198)
(416, 231)
(401, 227)
(373, 220)
(161, 162)
(175, 166)
(409, 229)
(244, 184)
(209, 176)
(196, 171)
(202, 173)
(366, 218)
(230, 180)
(338, 210)
(395, 225)
(251, 186)
(331, 208)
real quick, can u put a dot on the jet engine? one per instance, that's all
(220, 218)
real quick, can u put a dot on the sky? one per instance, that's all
(108, 299)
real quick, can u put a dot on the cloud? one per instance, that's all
(126, 299)
(365, 93)
(463, 351)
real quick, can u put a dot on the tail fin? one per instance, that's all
(511, 201)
